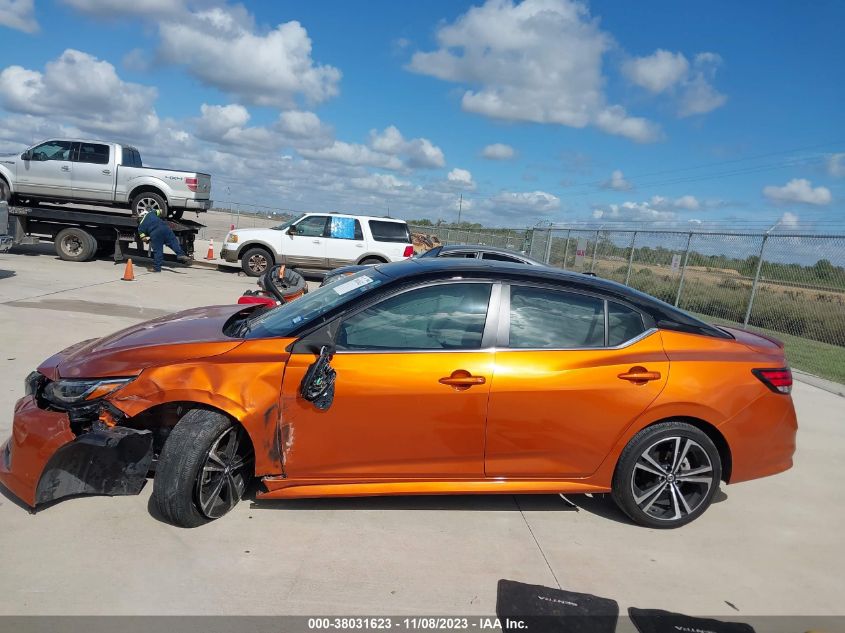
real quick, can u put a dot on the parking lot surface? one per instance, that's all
(767, 547)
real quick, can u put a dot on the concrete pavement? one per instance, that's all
(768, 547)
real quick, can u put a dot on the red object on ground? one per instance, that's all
(250, 299)
(210, 254)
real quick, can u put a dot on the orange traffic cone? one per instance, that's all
(210, 254)
(128, 272)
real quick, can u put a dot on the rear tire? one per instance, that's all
(255, 261)
(75, 245)
(149, 201)
(667, 475)
(203, 470)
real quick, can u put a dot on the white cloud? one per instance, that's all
(461, 178)
(538, 61)
(689, 83)
(617, 182)
(19, 15)
(798, 190)
(301, 124)
(525, 201)
(380, 183)
(120, 8)
(222, 49)
(353, 154)
(836, 165)
(789, 220)
(657, 71)
(684, 203)
(633, 212)
(419, 152)
(498, 151)
(107, 104)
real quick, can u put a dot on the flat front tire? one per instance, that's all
(667, 475)
(203, 470)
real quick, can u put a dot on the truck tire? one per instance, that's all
(5, 192)
(75, 245)
(256, 260)
(203, 470)
(149, 201)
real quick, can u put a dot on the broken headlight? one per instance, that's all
(67, 393)
(32, 384)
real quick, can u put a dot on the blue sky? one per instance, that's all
(659, 113)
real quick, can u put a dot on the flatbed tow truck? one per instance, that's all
(81, 233)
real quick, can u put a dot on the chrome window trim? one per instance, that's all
(627, 343)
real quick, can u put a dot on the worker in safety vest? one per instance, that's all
(154, 230)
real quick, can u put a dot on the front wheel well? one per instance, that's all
(160, 420)
(715, 436)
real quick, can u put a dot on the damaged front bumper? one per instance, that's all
(45, 460)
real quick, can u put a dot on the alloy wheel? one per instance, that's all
(148, 204)
(257, 263)
(672, 478)
(225, 472)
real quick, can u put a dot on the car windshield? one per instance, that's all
(289, 317)
(286, 224)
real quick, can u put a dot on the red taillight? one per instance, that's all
(192, 183)
(778, 380)
(409, 251)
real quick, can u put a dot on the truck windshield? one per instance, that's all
(293, 316)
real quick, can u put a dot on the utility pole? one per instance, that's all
(460, 206)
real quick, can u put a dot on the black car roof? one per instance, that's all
(664, 315)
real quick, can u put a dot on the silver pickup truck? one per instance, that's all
(96, 172)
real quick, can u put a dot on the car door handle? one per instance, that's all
(640, 374)
(65, 168)
(462, 379)
(316, 241)
(107, 172)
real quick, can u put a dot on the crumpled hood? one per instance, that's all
(188, 335)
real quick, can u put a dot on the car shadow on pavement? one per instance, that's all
(602, 505)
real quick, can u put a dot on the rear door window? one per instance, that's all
(623, 324)
(93, 153)
(544, 318)
(345, 229)
(390, 231)
(498, 257)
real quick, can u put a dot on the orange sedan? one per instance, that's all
(429, 376)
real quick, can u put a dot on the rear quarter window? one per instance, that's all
(390, 231)
(623, 324)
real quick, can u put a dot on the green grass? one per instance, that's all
(813, 357)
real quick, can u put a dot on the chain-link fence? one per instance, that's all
(792, 286)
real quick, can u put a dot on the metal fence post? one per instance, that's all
(595, 250)
(630, 259)
(683, 271)
(756, 281)
(548, 247)
(566, 248)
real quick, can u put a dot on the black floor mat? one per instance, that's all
(657, 621)
(544, 609)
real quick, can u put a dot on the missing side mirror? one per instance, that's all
(317, 385)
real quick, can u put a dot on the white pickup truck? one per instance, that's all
(97, 172)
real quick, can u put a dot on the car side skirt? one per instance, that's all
(281, 488)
